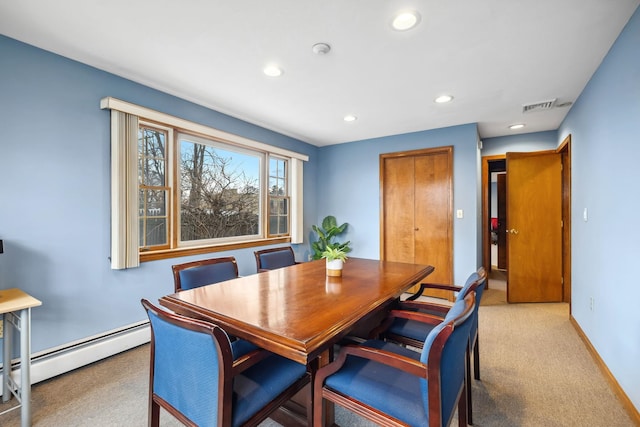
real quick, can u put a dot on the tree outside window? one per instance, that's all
(219, 192)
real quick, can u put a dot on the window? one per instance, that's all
(278, 198)
(153, 202)
(198, 189)
(219, 191)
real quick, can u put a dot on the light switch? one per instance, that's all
(460, 213)
(585, 215)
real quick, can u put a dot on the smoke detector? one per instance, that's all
(321, 48)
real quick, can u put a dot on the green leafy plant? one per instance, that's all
(327, 234)
(332, 254)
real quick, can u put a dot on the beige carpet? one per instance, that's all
(494, 297)
(535, 372)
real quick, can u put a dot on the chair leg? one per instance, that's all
(317, 403)
(476, 359)
(154, 414)
(467, 379)
(462, 407)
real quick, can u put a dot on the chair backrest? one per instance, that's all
(198, 273)
(482, 282)
(444, 352)
(270, 259)
(479, 288)
(190, 366)
(475, 278)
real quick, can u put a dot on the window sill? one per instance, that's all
(180, 252)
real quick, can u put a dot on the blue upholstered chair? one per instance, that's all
(197, 376)
(390, 384)
(408, 326)
(270, 259)
(414, 332)
(193, 274)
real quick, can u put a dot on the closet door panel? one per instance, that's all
(433, 216)
(398, 221)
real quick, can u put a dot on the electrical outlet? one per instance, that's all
(591, 303)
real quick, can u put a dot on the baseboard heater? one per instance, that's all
(59, 360)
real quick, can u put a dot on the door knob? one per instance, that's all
(513, 231)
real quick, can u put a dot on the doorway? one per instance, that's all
(491, 224)
(498, 215)
(492, 165)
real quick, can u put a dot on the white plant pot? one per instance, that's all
(334, 268)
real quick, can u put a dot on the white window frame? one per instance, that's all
(124, 180)
(218, 144)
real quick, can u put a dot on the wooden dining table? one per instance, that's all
(298, 311)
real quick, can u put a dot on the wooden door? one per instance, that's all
(416, 219)
(534, 225)
(398, 213)
(433, 215)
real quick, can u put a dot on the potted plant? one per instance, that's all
(327, 234)
(335, 257)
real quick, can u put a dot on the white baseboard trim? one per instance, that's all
(53, 362)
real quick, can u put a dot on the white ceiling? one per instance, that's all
(493, 56)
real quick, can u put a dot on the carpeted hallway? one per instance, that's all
(535, 372)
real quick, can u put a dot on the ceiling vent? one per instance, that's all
(539, 106)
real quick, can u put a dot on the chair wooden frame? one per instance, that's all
(430, 371)
(258, 254)
(409, 309)
(228, 370)
(482, 273)
(196, 264)
(412, 305)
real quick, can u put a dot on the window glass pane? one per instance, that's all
(153, 217)
(273, 224)
(219, 191)
(278, 225)
(273, 186)
(151, 156)
(277, 177)
(278, 216)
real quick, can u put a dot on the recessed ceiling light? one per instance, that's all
(405, 20)
(443, 98)
(516, 126)
(350, 118)
(272, 70)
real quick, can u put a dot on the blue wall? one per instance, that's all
(55, 193)
(522, 143)
(349, 188)
(604, 125)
